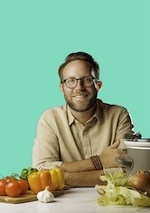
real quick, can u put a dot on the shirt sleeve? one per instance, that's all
(45, 153)
(125, 126)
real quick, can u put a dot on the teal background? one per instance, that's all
(36, 36)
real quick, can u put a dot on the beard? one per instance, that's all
(82, 105)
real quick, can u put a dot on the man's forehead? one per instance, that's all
(77, 67)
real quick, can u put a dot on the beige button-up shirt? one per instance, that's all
(61, 138)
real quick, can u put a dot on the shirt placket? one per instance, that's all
(86, 143)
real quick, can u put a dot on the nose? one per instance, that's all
(80, 83)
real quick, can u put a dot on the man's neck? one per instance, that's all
(83, 117)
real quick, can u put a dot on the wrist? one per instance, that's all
(96, 162)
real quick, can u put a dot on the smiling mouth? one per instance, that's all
(80, 96)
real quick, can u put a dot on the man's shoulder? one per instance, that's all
(54, 111)
(110, 107)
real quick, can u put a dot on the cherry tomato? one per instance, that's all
(2, 187)
(24, 186)
(13, 188)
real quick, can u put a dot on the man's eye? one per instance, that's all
(87, 80)
(71, 80)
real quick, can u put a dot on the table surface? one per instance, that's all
(73, 201)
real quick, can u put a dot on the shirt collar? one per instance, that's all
(71, 119)
(97, 113)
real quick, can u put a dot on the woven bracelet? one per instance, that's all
(96, 162)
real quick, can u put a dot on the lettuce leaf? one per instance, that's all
(117, 192)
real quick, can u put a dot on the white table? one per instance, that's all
(74, 200)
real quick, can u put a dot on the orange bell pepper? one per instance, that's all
(39, 180)
(54, 178)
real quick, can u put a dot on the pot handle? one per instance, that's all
(128, 163)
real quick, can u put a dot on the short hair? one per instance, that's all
(80, 56)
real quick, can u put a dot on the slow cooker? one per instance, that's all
(138, 154)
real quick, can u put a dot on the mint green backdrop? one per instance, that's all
(36, 36)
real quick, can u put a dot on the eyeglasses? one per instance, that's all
(72, 82)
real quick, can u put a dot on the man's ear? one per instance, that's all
(61, 88)
(98, 85)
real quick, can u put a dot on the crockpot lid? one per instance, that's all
(139, 144)
(144, 143)
(133, 137)
(136, 141)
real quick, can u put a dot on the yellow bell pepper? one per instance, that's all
(60, 178)
(57, 178)
(54, 179)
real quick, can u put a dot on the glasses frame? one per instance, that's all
(77, 79)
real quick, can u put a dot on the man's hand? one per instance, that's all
(108, 157)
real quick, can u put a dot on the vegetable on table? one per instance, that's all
(61, 180)
(141, 181)
(57, 178)
(26, 171)
(119, 192)
(52, 178)
(45, 196)
(12, 186)
(2, 187)
(39, 180)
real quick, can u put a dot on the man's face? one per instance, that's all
(80, 98)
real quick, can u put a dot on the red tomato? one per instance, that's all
(13, 188)
(24, 186)
(10, 178)
(2, 187)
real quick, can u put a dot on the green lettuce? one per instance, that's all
(117, 191)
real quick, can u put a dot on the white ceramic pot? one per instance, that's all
(138, 152)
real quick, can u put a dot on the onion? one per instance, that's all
(141, 181)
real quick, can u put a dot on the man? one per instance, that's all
(84, 136)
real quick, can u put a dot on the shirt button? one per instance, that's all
(87, 152)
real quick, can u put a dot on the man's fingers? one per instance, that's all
(115, 145)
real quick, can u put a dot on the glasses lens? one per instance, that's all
(88, 81)
(71, 82)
